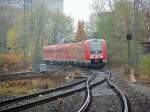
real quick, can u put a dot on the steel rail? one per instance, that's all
(26, 97)
(19, 75)
(118, 92)
(88, 99)
(45, 92)
(50, 98)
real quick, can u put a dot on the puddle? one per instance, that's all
(28, 86)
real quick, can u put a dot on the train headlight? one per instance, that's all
(101, 56)
(92, 57)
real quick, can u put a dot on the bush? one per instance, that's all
(144, 67)
(11, 60)
(1, 60)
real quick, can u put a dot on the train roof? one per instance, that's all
(68, 44)
(94, 40)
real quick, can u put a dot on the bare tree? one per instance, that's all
(102, 6)
(7, 21)
(145, 10)
(81, 32)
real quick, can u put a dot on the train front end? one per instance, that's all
(96, 52)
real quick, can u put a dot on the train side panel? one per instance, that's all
(76, 52)
(83, 53)
(87, 51)
(104, 51)
(72, 52)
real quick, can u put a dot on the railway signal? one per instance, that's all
(129, 37)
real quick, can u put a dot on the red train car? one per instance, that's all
(92, 52)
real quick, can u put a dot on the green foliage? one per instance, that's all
(7, 20)
(1, 60)
(12, 39)
(113, 25)
(105, 26)
(8, 61)
(36, 28)
(81, 33)
(144, 67)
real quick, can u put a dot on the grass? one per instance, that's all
(144, 68)
(27, 86)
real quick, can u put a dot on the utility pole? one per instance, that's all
(129, 37)
(135, 29)
(24, 38)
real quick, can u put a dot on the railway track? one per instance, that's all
(118, 92)
(88, 98)
(25, 102)
(122, 97)
(29, 101)
(26, 74)
(22, 75)
(18, 75)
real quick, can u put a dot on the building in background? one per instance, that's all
(53, 5)
(17, 3)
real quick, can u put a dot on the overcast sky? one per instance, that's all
(78, 9)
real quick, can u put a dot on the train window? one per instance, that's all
(96, 52)
(95, 40)
(95, 48)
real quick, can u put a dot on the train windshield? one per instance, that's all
(95, 47)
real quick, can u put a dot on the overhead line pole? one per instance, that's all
(24, 38)
(136, 10)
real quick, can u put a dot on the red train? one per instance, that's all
(92, 52)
